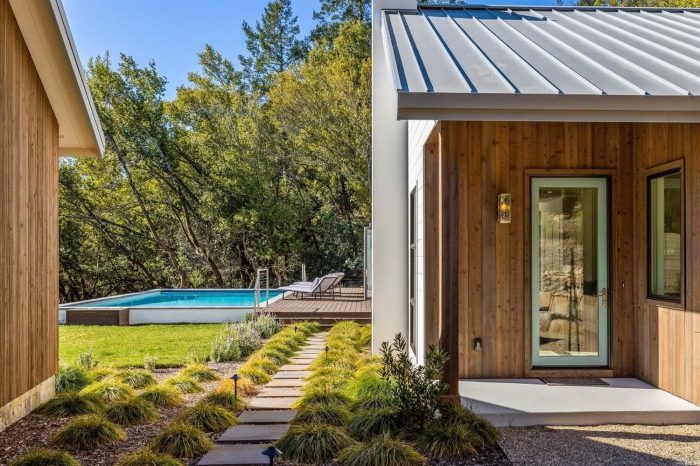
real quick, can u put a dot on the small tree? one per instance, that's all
(415, 389)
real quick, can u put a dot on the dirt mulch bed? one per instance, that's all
(36, 431)
(603, 445)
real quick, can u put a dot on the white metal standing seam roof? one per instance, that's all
(572, 63)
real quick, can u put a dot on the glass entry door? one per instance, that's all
(569, 272)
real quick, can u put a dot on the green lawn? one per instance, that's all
(128, 346)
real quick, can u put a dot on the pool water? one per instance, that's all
(182, 298)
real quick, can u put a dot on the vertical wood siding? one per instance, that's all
(28, 219)
(492, 292)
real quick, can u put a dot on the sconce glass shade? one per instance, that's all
(504, 208)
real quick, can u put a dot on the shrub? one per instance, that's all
(109, 391)
(89, 432)
(416, 390)
(268, 365)
(331, 415)
(245, 386)
(87, 360)
(146, 457)
(447, 440)
(151, 362)
(326, 397)
(45, 457)
(225, 399)
(183, 384)
(162, 396)
(455, 413)
(70, 404)
(365, 424)
(99, 374)
(382, 450)
(182, 441)
(224, 348)
(313, 443)
(245, 335)
(208, 417)
(71, 378)
(132, 412)
(199, 372)
(265, 324)
(135, 378)
(255, 374)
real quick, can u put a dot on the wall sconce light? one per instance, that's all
(504, 208)
(478, 346)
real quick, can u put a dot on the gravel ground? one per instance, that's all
(603, 445)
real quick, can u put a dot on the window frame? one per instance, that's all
(650, 175)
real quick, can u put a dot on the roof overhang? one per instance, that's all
(47, 35)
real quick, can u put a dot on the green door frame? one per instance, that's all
(601, 184)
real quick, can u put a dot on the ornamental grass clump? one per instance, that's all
(365, 424)
(71, 378)
(365, 336)
(280, 347)
(332, 415)
(45, 457)
(162, 396)
(71, 404)
(146, 457)
(199, 372)
(208, 418)
(313, 443)
(131, 412)
(225, 399)
(381, 450)
(183, 384)
(255, 374)
(136, 379)
(367, 382)
(447, 440)
(100, 373)
(325, 397)
(454, 413)
(89, 432)
(182, 441)
(274, 355)
(331, 372)
(245, 386)
(110, 391)
(268, 365)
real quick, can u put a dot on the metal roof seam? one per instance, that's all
(668, 21)
(393, 59)
(639, 18)
(426, 79)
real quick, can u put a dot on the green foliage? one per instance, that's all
(382, 450)
(89, 432)
(416, 390)
(275, 355)
(135, 378)
(325, 397)
(162, 396)
(372, 402)
(208, 417)
(146, 457)
(366, 383)
(182, 441)
(131, 412)
(87, 360)
(70, 404)
(265, 324)
(255, 374)
(245, 386)
(332, 415)
(184, 384)
(101, 373)
(224, 348)
(267, 365)
(151, 362)
(313, 443)
(447, 440)
(225, 399)
(280, 347)
(45, 457)
(365, 336)
(455, 413)
(71, 378)
(199, 372)
(365, 424)
(109, 391)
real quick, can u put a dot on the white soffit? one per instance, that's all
(545, 63)
(47, 35)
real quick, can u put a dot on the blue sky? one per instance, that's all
(172, 32)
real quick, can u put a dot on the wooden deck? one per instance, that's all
(349, 304)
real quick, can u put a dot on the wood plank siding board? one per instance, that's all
(28, 220)
(655, 341)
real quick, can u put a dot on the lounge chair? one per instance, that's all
(315, 288)
(339, 276)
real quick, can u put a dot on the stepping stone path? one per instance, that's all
(267, 416)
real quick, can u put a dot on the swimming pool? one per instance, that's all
(167, 306)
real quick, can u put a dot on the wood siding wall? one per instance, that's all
(492, 279)
(28, 220)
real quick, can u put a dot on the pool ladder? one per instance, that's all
(260, 276)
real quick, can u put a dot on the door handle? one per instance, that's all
(604, 297)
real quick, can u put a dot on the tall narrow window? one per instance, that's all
(665, 223)
(412, 270)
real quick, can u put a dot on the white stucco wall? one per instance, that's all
(418, 133)
(389, 188)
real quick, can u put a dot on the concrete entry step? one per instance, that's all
(291, 375)
(529, 402)
(286, 383)
(266, 417)
(247, 433)
(259, 403)
(234, 455)
(279, 392)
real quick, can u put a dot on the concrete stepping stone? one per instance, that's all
(307, 354)
(286, 383)
(291, 375)
(266, 417)
(233, 455)
(294, 367)
(279, 392)
(304, 361)
(247, 433)
(260, 403)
